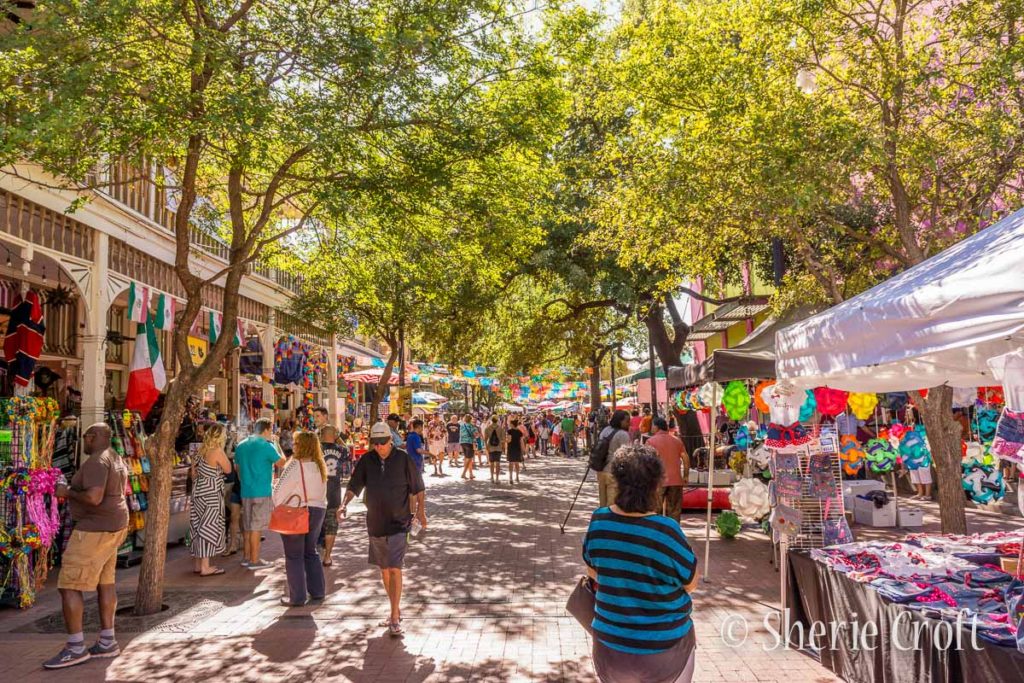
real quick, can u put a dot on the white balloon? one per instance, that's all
(709, 394)
(749, 499)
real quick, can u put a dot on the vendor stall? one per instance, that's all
(939, 609)
(955, 319)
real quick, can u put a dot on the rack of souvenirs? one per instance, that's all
(31, 518)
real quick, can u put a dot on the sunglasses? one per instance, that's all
(380, 442)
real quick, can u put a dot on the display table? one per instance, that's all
(818, 594)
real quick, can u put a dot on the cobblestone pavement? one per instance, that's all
(484, 601)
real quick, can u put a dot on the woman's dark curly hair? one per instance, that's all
(637, 470)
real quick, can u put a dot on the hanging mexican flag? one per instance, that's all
(138, 303)
(165, 313)
(146, 379)
(239, 332)
(214, 327)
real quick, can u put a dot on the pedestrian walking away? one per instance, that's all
(676, 465)
(339, 468)
(516, 437)
(394, 497)
(304, 481)
(206, 514)
(99, 513)
(494, 438)
(255, 459)
(617, 436)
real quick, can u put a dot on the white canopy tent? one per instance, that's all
(936, 323)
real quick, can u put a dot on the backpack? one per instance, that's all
(493, 439)
(599, 455)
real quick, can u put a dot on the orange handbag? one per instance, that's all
(292, 519)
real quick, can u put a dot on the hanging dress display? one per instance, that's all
(1008, 443)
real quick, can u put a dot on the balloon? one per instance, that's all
(707, 394)
(880, 455)
(985, 422)
(736, 400)
(738, 462)
(749, 499)
(851, 454)
(862, 405)
(983, 483)
(742, 438)
(759, 401)
(830, 402)
(991, 395)
(809, 406)
(914, 450)
(760, 457)
(728, 524)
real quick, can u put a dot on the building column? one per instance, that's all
(269, 337)
(332, 380)
(94, 337)
(235, 384)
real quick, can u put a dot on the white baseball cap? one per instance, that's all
(380, 431)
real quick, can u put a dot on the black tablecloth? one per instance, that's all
(820, 594)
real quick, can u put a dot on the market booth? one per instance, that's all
(955, 319)
(750, 361)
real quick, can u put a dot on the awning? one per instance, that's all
(936, 323)
(753, 358)
(632, 378)
(372, 376)
(732, 311)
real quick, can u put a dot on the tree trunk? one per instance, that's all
(595, 383)
(944, 435)
(382, 385)
(160, 449)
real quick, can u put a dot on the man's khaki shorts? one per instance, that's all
(90, 559)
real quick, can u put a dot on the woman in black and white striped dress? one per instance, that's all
(206, 519)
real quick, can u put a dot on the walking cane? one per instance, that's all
(573, 504)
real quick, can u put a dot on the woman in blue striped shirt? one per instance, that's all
(644, 570)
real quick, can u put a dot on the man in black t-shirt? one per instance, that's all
(453, 448)
(393, 483)
(336, 458)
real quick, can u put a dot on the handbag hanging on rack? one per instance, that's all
(292, 519)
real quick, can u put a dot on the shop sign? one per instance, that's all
(197, 348)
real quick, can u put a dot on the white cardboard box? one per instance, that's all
(723, 477)
(865, 512)
(855, 487)
(910, 517)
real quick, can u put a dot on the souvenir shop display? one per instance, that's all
(30, 514)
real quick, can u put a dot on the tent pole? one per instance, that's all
(711, 478)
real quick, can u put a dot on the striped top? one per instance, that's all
(642, 564)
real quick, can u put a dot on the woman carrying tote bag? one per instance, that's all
(303, 483)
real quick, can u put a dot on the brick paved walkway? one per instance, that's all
(485, 591)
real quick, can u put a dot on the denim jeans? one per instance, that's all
(302, 563)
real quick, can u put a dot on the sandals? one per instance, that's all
(215, 572)
(395, 629)
(327, 562)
